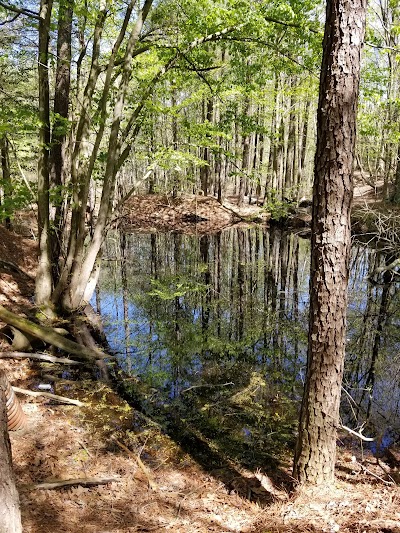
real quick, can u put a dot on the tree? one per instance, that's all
(10, 516)
(330, 245)
(127, 56)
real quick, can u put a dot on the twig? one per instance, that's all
(49, 395)
(38, 356)
(207, 385)
(375, 475)
(85, 482)
(356, 434)
(152, 484)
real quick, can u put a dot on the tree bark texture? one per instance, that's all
(10, 516)
(330, 245)
(44, 273)
(60, 127)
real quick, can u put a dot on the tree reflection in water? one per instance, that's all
(217, 326)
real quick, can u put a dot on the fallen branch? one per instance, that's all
(152, 484)
(207, 385)
(84, 482)
(38, 356)
(356, 434)
(50, 336)
(49, 395)
(375, 475)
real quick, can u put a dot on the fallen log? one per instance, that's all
(84, 482)
(38, 357)
(50, 336)
(49, 395)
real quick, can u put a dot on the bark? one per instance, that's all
(245, 155)
(61, 106)
(10, 515)
(44, 274)
(396, 191)
(303, 141)
(330, 245)
(290, 170)
(205, 171)
(5, 166)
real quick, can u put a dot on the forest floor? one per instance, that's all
(158, 486)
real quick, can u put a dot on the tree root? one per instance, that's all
(50, 335)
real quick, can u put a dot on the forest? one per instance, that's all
(199, 265)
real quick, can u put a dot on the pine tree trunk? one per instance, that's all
(10, 516)
(330, 245)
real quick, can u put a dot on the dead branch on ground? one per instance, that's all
(49, 395)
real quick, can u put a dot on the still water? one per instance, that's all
(216, 325)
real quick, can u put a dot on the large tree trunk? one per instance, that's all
(330, 245)
(10, 516)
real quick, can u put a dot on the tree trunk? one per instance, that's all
(44, 274)
(5, 167)
(205, 170)
(396, 190)
(330, 245)
(245, 154)
(10, 516)
(60, 127)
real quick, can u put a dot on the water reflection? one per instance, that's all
(217, 325)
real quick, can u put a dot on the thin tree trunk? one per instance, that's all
(205, 171)
(5, 166)
(291, 148)
(245, 155)
(330, 243)
(82, 270)
(44, 280)
(60, 129)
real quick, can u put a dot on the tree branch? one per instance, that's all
(84, 482)
(38, 356)
(49, 395)
(288, 24)
(19, 10)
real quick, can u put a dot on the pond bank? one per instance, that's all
(64, 442)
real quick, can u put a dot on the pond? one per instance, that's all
(216, 327)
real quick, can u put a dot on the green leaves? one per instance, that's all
(174, 288)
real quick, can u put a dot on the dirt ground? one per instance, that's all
(156, 485)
